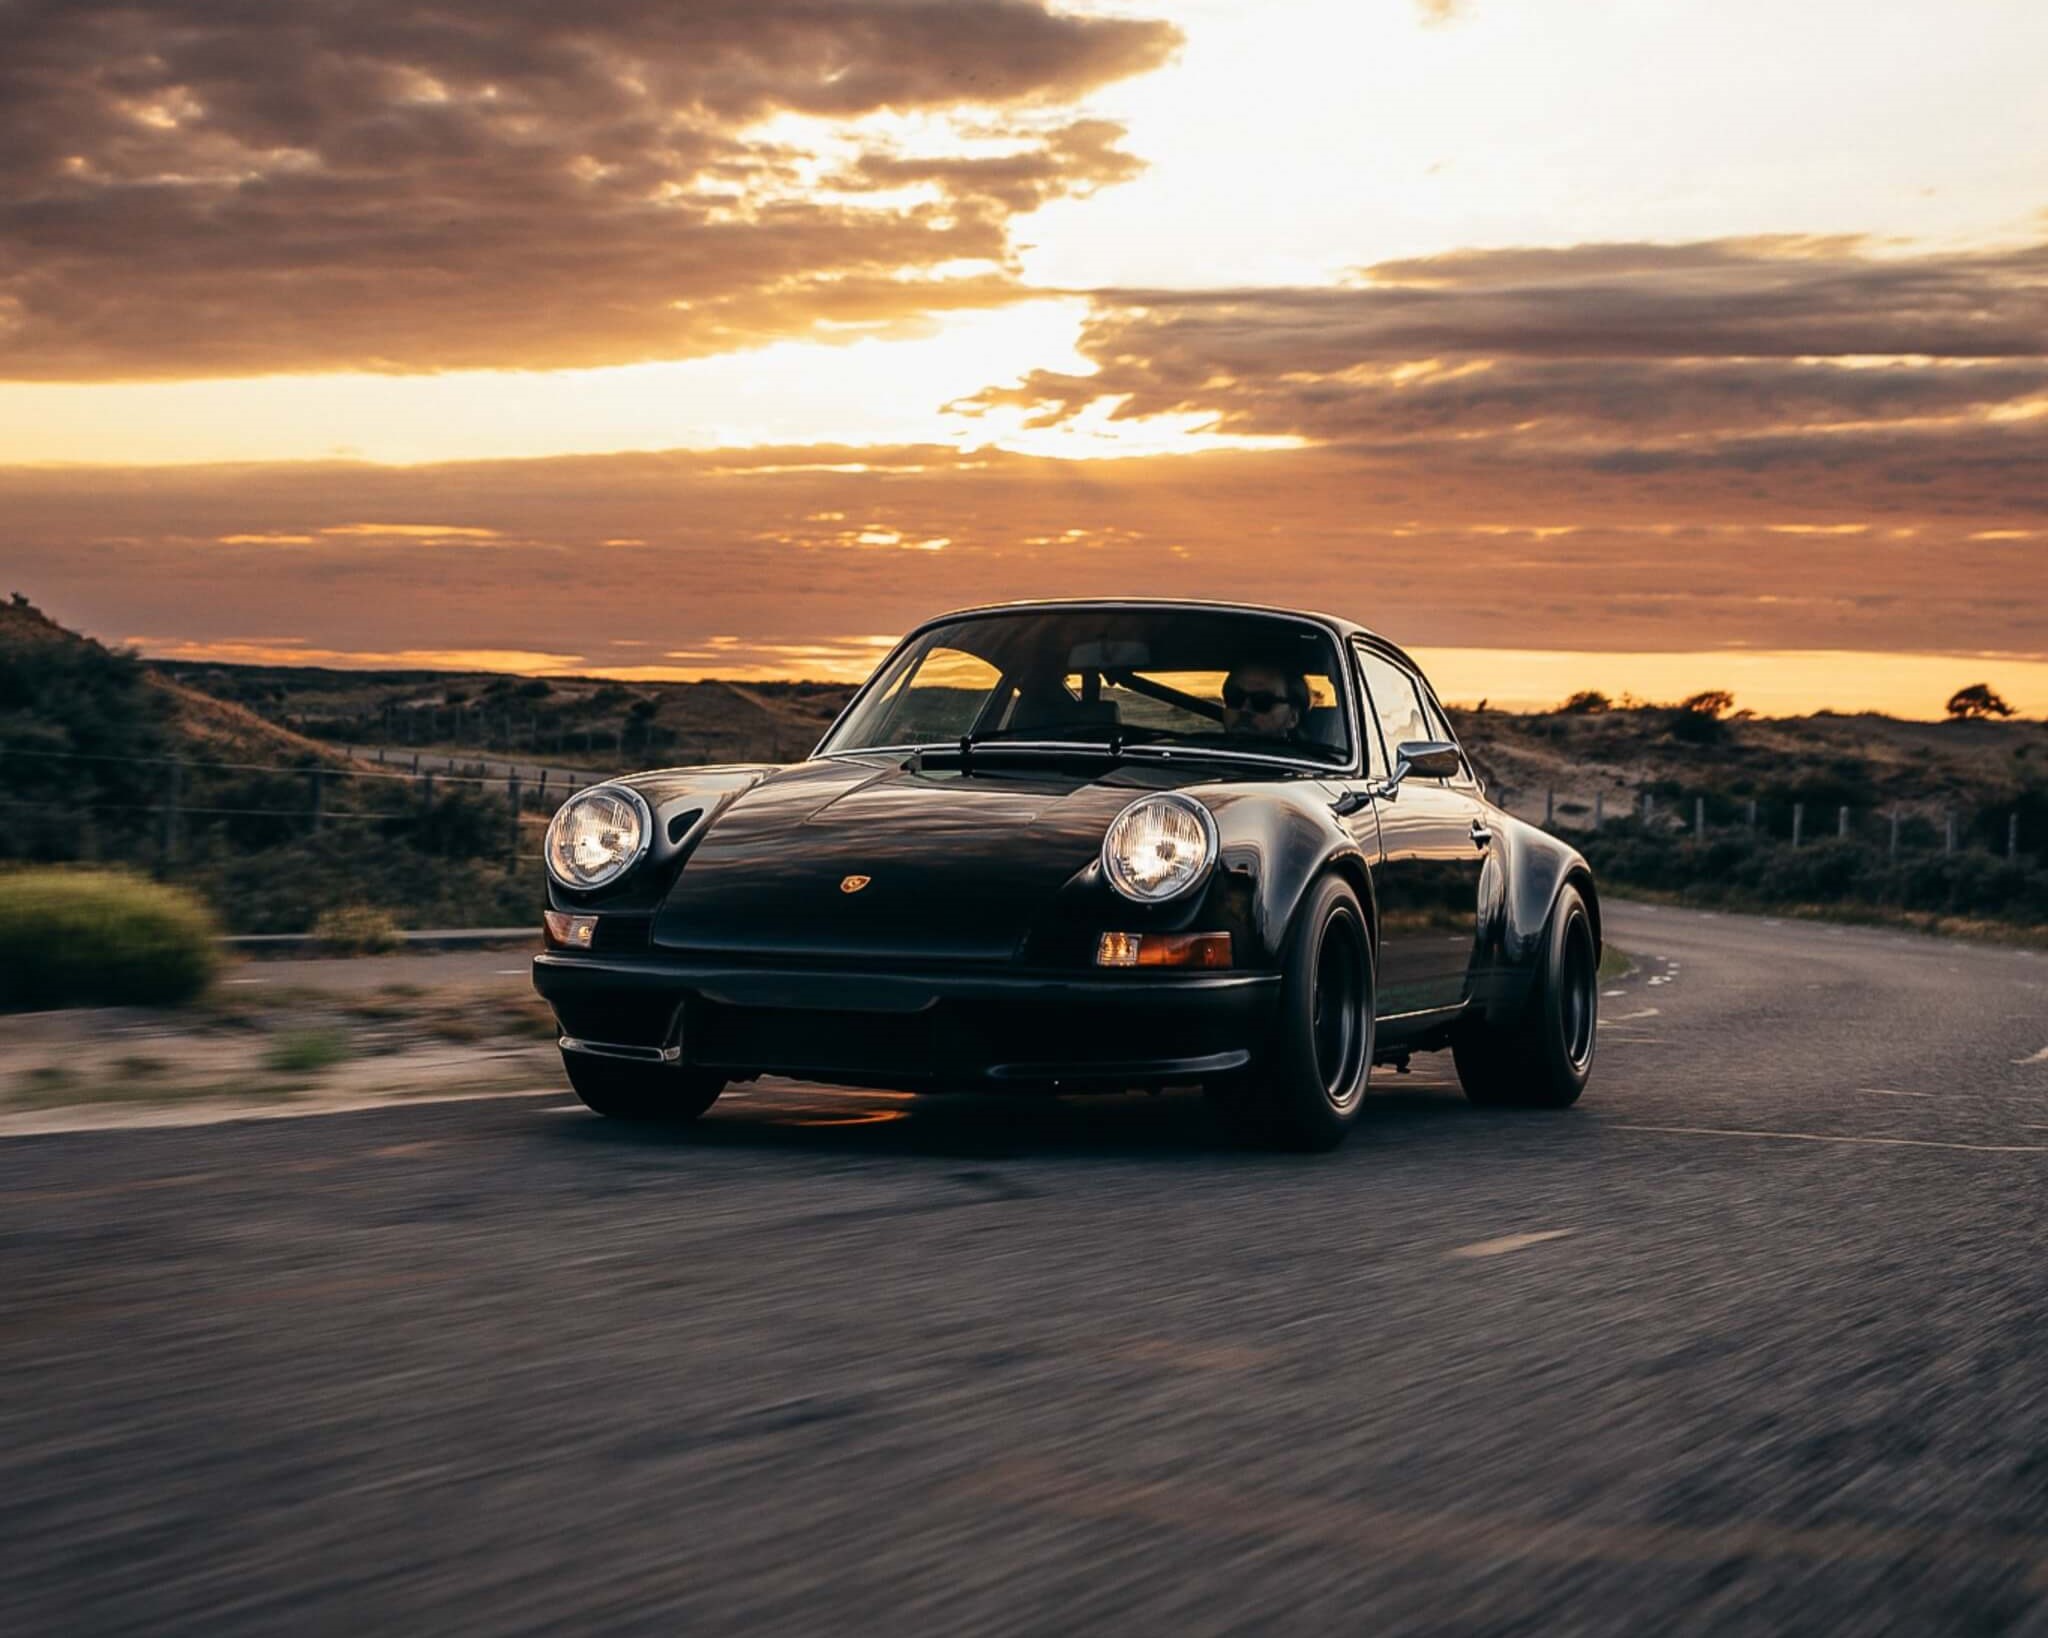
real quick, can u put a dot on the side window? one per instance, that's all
(1396, 702)
(1376, 764)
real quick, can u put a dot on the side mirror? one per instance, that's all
(1431, 758)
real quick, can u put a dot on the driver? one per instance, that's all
(1264, 700)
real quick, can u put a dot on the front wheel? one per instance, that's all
(649, 1092)
(1308, 1092)
(1540, 1059)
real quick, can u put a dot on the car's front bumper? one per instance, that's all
(936, 1029)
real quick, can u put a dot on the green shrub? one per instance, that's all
(357, 929)
(305, 1052)
(71, 938)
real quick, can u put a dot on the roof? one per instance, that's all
(1335, 622)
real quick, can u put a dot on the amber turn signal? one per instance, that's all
(567, 932)
(1163, 950)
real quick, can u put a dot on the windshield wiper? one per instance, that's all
(970, 748)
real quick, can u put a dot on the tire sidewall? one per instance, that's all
(1565, 1076)
(1303, 1111)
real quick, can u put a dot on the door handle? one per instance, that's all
(1481, 836)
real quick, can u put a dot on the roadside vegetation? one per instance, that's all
(1936, 825)
(106, 762)
(73, 938)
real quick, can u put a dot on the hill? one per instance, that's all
(107, 760)
(559, 718)
(1867, 763)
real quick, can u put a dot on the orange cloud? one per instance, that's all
(1933, 547)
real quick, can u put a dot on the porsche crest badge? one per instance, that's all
(853, 884)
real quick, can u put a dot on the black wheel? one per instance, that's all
(1540, 1059)
(1307, 1091)
(629, 1091)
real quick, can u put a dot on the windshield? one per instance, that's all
(1215, 678)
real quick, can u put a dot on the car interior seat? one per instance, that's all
(1323, 725)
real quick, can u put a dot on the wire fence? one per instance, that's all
(411, 792)
(1900, 831)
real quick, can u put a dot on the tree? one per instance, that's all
(1586, 702)
(1976, 703)
(1713, 702)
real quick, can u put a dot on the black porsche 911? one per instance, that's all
(1082, 846)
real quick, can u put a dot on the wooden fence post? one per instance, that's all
(1699, 817)
(174, 779)
(1549, 809)
(1599, 808)
(1798, 823)
(2012, 838)
(313, 778)
(1948, 831)
(512, 856)
(1894, 860)
(1842, 822)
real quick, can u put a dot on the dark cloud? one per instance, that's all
(225, 186)
(1596, 350)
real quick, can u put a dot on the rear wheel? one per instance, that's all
(1540, 1059)
(630, 1091)
(1308, 1091)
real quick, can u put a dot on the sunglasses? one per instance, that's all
(1258, 700)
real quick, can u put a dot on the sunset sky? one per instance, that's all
(1639, 344)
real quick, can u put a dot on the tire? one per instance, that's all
(641, 1092)
(1541, 1058)
(1307, 1091)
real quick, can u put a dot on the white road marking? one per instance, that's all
(1825, 1137)
(1605, 994)
(245, 981)
(1508, 1242)
(1631, 1017)
(104, 1117)
(1887, 1092)
(2040, 1057)
(509, 972)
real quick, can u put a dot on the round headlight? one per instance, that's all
(1159, 847)
(597, 836)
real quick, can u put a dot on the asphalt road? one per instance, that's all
(1751, 1341)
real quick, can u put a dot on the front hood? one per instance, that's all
(956, 866)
